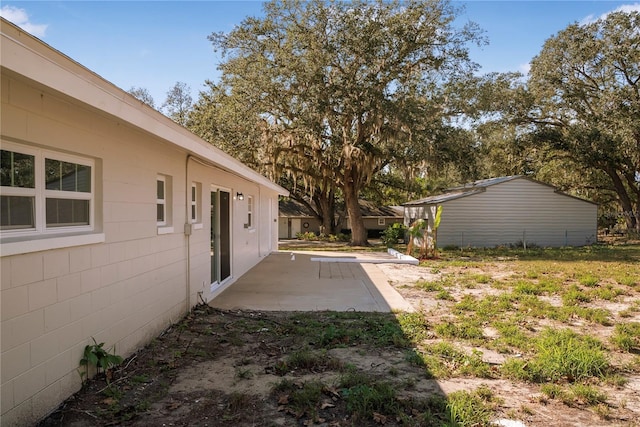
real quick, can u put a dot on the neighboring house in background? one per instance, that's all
(378, 218)
(114, 222)
(294, 217)
(507, 210)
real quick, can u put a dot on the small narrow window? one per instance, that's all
(164, 197)
(250, 211)
(381, 221)
(196, 191)
(161, 200)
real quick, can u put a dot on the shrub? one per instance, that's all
(340, 237)
(309, 235)
(392, 234)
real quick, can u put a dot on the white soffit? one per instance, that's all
(28, 56)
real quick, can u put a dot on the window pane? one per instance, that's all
(193, 193)
(160, 214)
(67, 176)
(83, 178)
(67, 212)
(17, 212)
(17, 169)
(160, 190)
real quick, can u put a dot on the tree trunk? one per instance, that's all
(327, 206)
(358, 232)
(635, 192)
(623, 197)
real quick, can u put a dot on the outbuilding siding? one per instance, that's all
(512, 212)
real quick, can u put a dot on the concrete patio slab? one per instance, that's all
(290, 281)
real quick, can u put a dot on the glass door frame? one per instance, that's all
(215, 233)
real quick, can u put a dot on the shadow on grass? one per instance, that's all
(333, 368)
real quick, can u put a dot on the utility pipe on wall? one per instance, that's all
(187, 233)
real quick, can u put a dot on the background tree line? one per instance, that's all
(379, 100)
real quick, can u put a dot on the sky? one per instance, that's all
(154, 44)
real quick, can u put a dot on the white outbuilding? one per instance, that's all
(510, 210)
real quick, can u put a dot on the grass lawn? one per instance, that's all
(563, 323)
(543, 337)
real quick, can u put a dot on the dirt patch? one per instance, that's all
(220, 368)
(447, 285)
(233, 368)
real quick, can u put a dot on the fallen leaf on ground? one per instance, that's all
(109, 401)
(284, 399)
(173, 406)
(379, 418)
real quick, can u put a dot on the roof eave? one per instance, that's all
(27, 56)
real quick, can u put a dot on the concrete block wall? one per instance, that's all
(131, 283)
(122, 291)
(47, 322)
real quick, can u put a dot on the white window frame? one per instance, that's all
(165, 226)
(195, 214)
(382, 221)
(250, 208)
(161, 201)
(41, 194)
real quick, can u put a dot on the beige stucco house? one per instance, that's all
(114, 222)
(507, 210)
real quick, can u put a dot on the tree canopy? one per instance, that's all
(143, 95)
(178, 104)
(338, 91)
(586, 89)
(339, 100)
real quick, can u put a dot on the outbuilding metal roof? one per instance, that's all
(432, 200)
(479, 186)
(486, 182)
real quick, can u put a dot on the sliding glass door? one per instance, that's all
(220, 236)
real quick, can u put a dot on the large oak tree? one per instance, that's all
(586, 88)
(343, 89)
